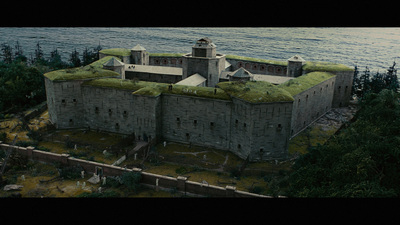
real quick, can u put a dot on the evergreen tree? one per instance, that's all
(19, 53)
(356, 82)
(74, 59)
(39, 60)
(97, 52)
(55, 61)
(6, 53)
(88, 57)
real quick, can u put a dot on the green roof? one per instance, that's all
(93, 70)
(281, 63)
(256, 91)
(116, 51)
(304, 82)
(325, 66)
(155, 89)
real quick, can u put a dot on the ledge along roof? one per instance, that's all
(93, 70)
(155, 89)
(256, 91)
(116, 51)
(304, 82)
(325, 66)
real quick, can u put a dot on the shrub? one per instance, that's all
(131, 180)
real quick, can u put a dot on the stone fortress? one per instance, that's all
(248, 106)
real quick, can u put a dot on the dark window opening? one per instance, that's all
(195, 122)
(63, 101)
(74, 100)
(96, 110)
(125, 113)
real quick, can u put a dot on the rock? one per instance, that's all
(11, 187)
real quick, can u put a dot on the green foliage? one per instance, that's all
(256, 91)
(325, 67)
(304, 82)
(364, 83)
(70, 172)
(131, 180)
(362, 161)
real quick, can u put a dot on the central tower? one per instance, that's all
(205, 61)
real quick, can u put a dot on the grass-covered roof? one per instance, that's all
(93, 70)
(256, 91)
(155, 89)
(325, 66)
(116, 51)
(304, 82)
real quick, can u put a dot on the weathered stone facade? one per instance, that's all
(259, 130)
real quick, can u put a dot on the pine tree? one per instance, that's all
(19, 53)
(6, 53)
(74, 59)
(38, 55)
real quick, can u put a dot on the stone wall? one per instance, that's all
(310, 104)
(165, 61)
(153, 77)
(108, 109)
(260, 131)
(181, 184)
(258, 67)
(65, 103)
(200, 121)
(343, 85)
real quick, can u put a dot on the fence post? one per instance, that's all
(181, 186)
(230, 191)
(29, 152)
(64, 159)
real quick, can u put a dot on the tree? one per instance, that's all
(74, 59)
(131, 180)
(362, 161)
(19, 53)
(38, 60)
(6, 53)
(55, 61)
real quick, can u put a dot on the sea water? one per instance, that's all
(376, 48)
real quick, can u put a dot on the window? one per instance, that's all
(117, 126)
(63, 101)
(125, 114)
(96, 110)
(194, 122)
(178, 120)
(74, 100)
(239, 146)
(279, 128)
(109, 112)
(212, 124)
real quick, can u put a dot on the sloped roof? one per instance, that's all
(240, 73)
(205, 39)
(113, 62)
(194, 80)
(138, 48)
(296, 58)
